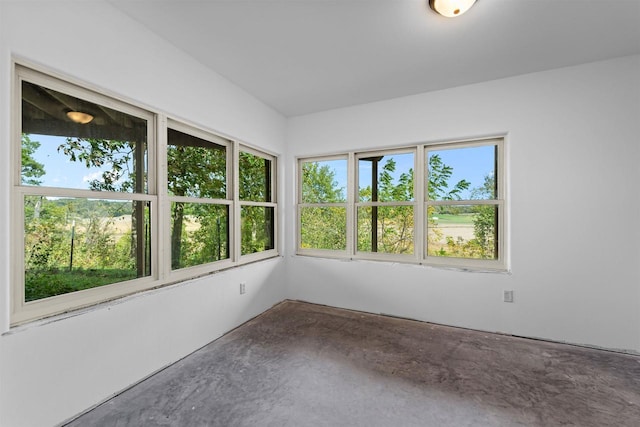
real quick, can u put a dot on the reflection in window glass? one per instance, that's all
(257, 229)
(73, 244)
(195, 167)
(323, 228)
(324, 181)
(385, 229)
(255, 178)
(199, 233)
(387, 178)
(463, 231)
(102, 149)
(462, 173)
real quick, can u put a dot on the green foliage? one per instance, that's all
(257, 227)
(57, 228)
(392, 226)
(319, 184)
(323, 228)
(255, 178)
(31, 169)
(205, 234)
(197, 171)
(483, 244)
(104, 152)
(48, 283)
(438, 183)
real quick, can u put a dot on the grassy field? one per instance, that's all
(47, 283)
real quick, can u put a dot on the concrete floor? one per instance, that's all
(301, 364)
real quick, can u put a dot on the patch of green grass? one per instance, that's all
(47, 283)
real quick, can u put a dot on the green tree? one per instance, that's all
(438, 181)
(322, 227)
(485, 220)
(32, 170)
(119, 155)
(200, 172)
(319, 184)
(124, 170)
(394, 223)
(256, 232)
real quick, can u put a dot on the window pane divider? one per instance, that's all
(186, 199)
(398, 203)
(86, 194)
(464, 202)
(260, 204)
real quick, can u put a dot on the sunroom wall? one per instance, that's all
(50, 371)
(572, 156)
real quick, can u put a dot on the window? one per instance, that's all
(197, 187)
(97, 199)
(464, 204)
(385, 207)
(257, 206)
(322, 207)
(434, 204)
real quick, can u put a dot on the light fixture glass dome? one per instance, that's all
(80, 117)
(451, 8)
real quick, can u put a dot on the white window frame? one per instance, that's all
(156, 195)
(21, 310)
(200, 269)
(358, 204)
(476, 264)
(239, 204)
(420, 205)
(301, 205)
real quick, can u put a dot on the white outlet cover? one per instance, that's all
(507, 296)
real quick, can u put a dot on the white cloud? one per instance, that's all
(92, 176)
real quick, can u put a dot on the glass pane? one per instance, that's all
(323, 228)
(106, 153)
(387, 178)
(199, 234)
(463, 231)
(393, 233)
(257, 229)
(255, 178)
(324, 181)
(462, 173)
(195, 167)
(73, 244)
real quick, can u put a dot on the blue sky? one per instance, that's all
(59, 170)
(472, 164)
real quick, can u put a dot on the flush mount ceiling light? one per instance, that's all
(451, 8)
(80, 117)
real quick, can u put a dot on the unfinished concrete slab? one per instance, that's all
(300, 364)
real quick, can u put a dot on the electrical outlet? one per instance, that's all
(243, 288)
(507, 296)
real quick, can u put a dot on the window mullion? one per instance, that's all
(352, 194)
(235, 216)
(419, 222)
(162, 214)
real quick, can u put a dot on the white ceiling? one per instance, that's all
(304, 56)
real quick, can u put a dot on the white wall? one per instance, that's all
(573, 159)
(50, 371)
